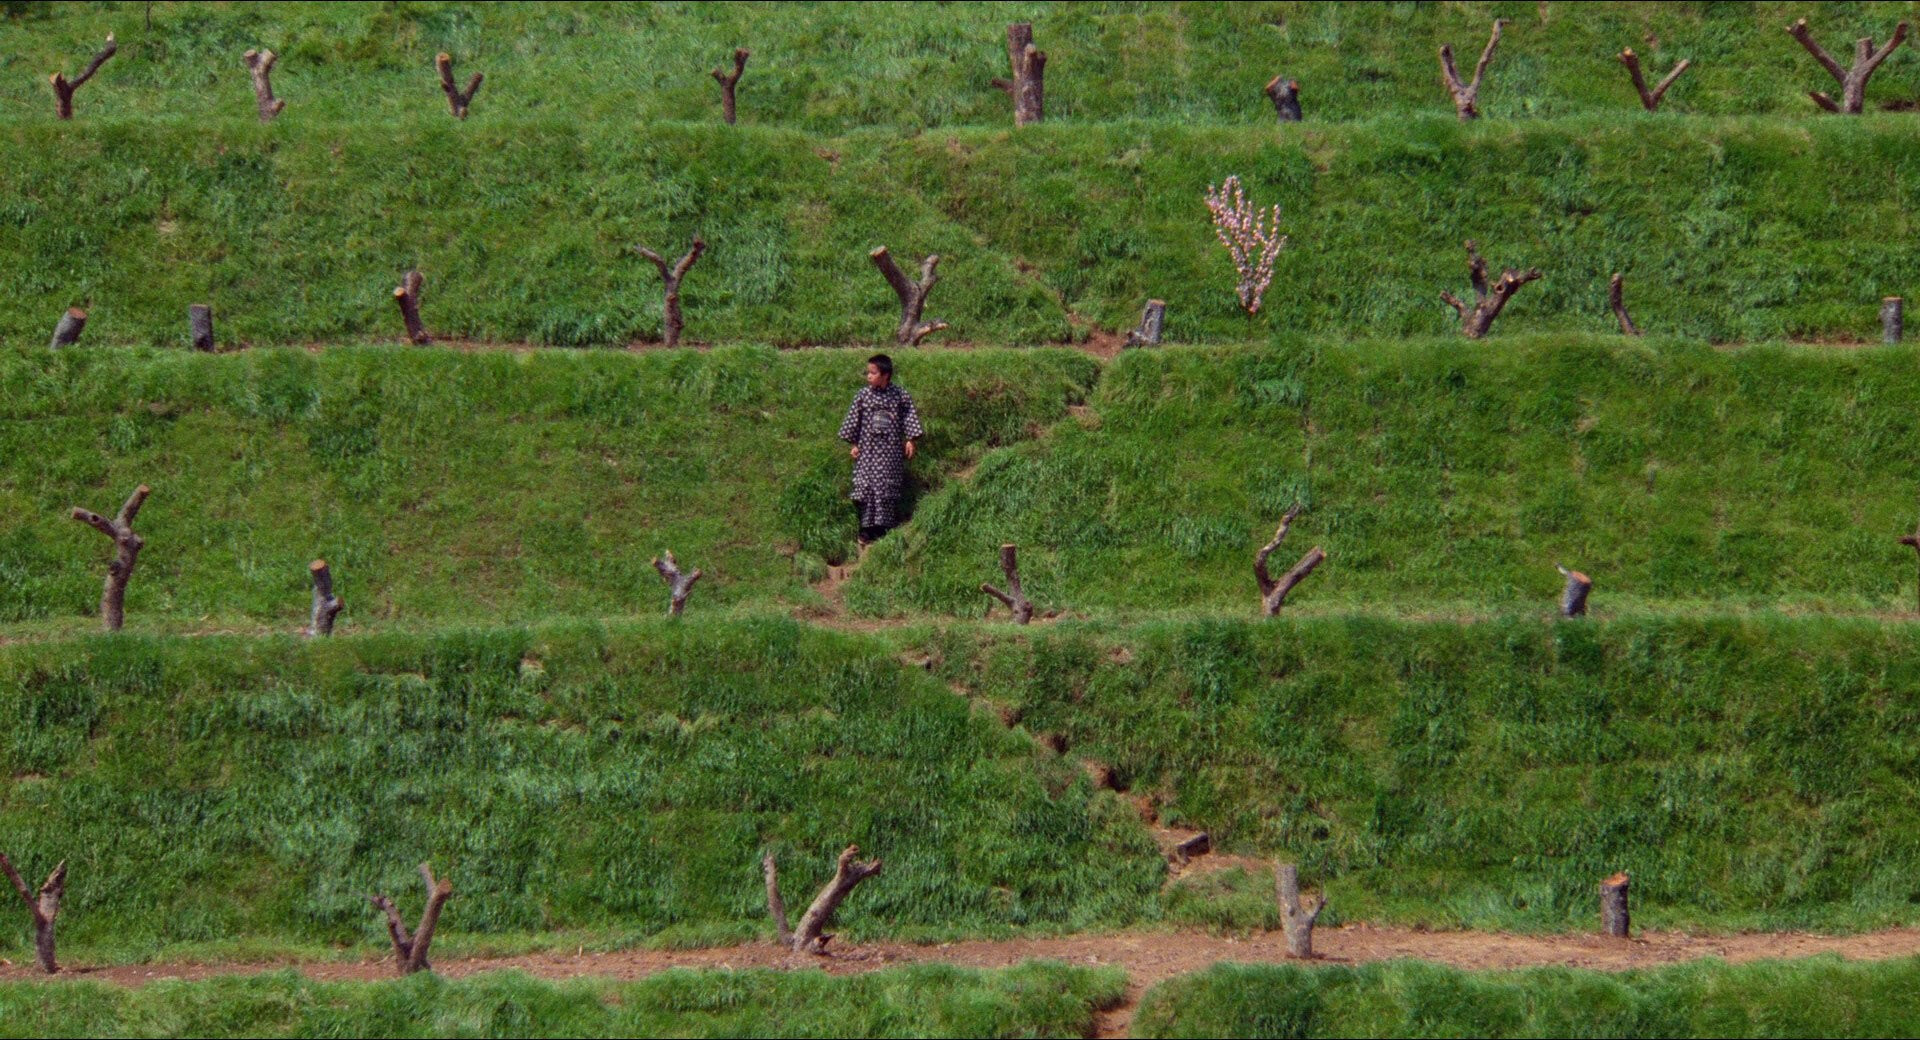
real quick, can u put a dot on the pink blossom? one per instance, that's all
(1252, 236)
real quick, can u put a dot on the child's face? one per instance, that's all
(875, 377)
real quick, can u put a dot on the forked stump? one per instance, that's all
(127, 545)
(1616, 299)
(728, 83)
(1273, 594)
(67, 331)
(1573, 598)
(407, 296)
(1489, 299)
(43, 907)
(260, 66)
(1649, 99)
(63, 89)
(679, 585)
(672, 323)
(1613, 906)
(1295, 919)
(1853, 81)
(811, 936)
(410, 951)
(1466, 96)
(326, 605)
(1285, 95)
(1014, 598)
(1153, 322)
(1028, 87)
(200, 326)
(1892, 319)
(913, 296)
(457, 99)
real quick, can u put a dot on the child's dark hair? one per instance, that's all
(883, 363)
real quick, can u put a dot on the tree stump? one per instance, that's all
(1573, 598)
(260, 66)
(1014, 598)
(1892, 319)
(1613, 906)
(727, 83)
(1273, 594)
(326, 605)
(63, 90)
(1285, 95)
(1198, 845)
(1616, 299)
(1913, 540)
(1028, 87)
(410, 951)
(200, 326)
(67, 331)
(1853, 81)
(1649, 99)
(1466, 96)
(679, 585)
(672, 323)
(810, 937)
(1153, 321)
(1489, 301)
(913, 296)
(1295, 919)
(43, 907)
(457, 99)
(407, 296)
(113, 597)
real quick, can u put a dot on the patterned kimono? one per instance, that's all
(880, 422)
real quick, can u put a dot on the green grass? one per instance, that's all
(1748, 773)
(447, 487)
(619, 784)
(1446, 478)
(1815, 997)
(1036, 999)
(833, 67)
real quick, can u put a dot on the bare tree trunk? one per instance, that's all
(1613, 906)
(200, 325)
(113, 597)
(727, 83)
(43, 907)
(1892, 319)
(1466, 96)
(1153, 322)
(1273, 594)
(407, 295)
(63, 90)
(1853, 81)
(1028, 87)
(673, 323)
(1573, 598)
(679, 585)
(1649, 99)
(260, 65)
(410, 951)
(457, 99)
(1295, 919)
(1014, 598)
(1285, 95)
(67, 331)
(326, 605)
(810, 937)
(913, 296)
(1488, 301)
(1616, 298)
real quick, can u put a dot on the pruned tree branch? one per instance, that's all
(43, 907)
(727, 83)
(127, 544)
(66, 332)
(1296, 920)
(1285, 95)
(407, 295)
(913, 296)
(1573, 598)
(410, 951)
(1616, 299)
(811, 936)
(1649, 99)
(1014, 598)
(679, 584)
(1153, 321)
(457, 99)
(1028, 87)
(260, 65)
(1853, 81)
(1273, 594)
(1466, 95)
(326, 605)
(1489, 299)
(63, 89)
(672, 323)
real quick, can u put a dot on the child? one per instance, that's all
(881, 425)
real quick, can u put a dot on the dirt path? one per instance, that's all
(1147, 957)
